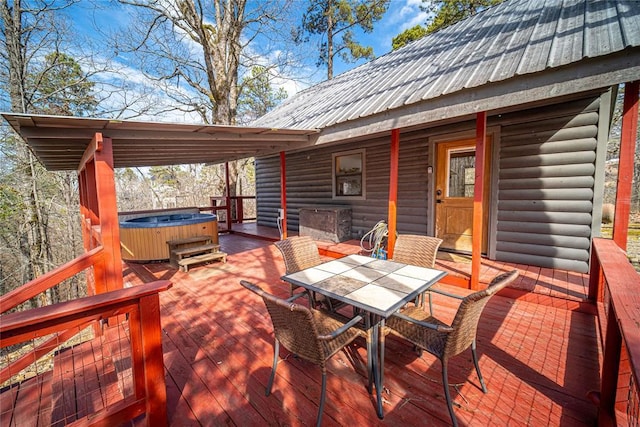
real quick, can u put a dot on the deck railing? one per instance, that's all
(233, 207)
(13, 299)
(141, 391)
(29, 338)
(615, 286)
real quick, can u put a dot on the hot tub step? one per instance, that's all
(193, 250)
(197, 259)
(182, 248)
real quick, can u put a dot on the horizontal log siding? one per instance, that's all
(545, 188)
(309, 182)
(267, 190)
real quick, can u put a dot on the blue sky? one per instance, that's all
(402, 14)
(90, 15)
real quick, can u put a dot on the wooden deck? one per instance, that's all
(539, 360)
(541, 285)
(538, 350)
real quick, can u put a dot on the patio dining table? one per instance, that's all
(377, 288)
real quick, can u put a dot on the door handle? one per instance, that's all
(439, 201)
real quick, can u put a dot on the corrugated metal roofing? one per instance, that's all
(513, 39)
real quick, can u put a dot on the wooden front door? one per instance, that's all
(455, 176)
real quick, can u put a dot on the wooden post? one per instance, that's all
(108, 213)
(84, 209)
(596, 279)
(393, 191)
(478, 198)
(283, 193)
(98, 196)
(92, 195)
(625, 165)
(228, 195)
(154, 382)
(137, 353)
(239, 209)
(610, 370)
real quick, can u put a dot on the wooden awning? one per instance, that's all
(59, 142)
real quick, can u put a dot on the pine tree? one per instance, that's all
(334, 21)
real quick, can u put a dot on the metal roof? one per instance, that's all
(517, 52)
(59, 142)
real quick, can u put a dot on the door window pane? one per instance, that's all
(461, 173)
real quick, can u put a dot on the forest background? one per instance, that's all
(196, 61)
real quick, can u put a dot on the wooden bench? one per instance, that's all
(184, 263)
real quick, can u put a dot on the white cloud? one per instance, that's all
(401, 15)
(407, 14)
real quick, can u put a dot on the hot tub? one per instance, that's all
(145, 238)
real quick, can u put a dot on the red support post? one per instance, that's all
(108, 213)
(92, 195)
(626, 163)
(596, 279)
(99, 209)
(393, 191)
(610, 370)
(478, 199)
(84, 209)
(228, 195)
(154, 382)
(240, 210)
(283, 193)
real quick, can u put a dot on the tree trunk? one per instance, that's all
(330, 43)
(33, 243)
(12, 19)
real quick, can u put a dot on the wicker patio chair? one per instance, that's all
(417, 250)
(311, 334)
(445, 341)
(300, 252)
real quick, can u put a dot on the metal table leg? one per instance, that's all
(378, 363)
(370, 367)
(381, 347)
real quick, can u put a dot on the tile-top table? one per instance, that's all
(375, 287)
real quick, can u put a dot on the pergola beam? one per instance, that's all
(168, 135)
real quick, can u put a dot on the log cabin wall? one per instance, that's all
(543, 196)
(309, 182)
(550, 184)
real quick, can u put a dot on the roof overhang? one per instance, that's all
(60, 142)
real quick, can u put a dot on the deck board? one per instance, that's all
(539, 360)
(539, 283)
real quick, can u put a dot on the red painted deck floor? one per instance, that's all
(536, 284)
(538, 348)
(539, 360)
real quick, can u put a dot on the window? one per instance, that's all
(348, 175)
(462, 168)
